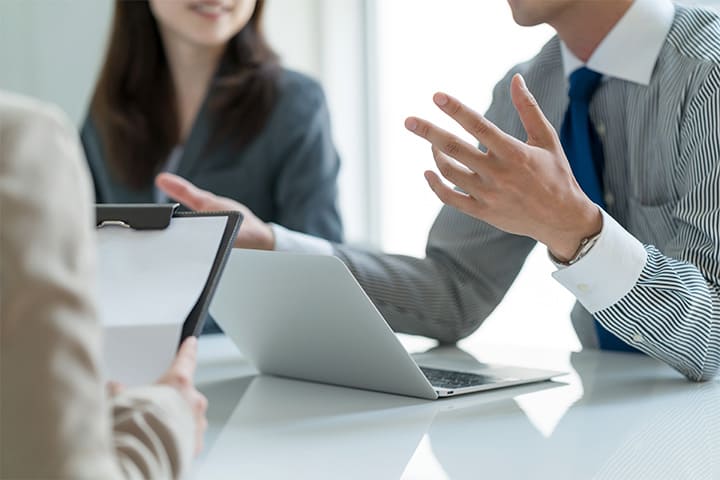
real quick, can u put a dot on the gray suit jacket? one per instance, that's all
(55, 419)
(286, 175)
(662, 169)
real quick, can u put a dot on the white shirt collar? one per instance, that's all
(620, 54)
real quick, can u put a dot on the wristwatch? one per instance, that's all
(586, 245)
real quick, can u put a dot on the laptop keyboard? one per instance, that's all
(449, 379)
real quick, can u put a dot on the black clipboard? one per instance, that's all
(158, 217)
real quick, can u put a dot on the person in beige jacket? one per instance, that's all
(57, 419)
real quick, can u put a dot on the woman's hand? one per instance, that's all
(253, 233)
(180, 377)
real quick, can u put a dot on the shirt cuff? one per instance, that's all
(608, 271)
(297, 242)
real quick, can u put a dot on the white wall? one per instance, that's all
(51, 48)
(293, 29)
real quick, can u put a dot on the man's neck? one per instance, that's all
(584, 26)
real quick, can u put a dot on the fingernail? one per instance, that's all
(429, 178)
(411, 124)
(522, 82)
(441, 99)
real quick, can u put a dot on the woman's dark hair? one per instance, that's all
(134, 106)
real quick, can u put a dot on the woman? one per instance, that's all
(56, 420)
(192, 87)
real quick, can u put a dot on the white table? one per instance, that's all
(614, 415)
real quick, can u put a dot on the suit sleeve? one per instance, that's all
(468, 267)
(56, 419)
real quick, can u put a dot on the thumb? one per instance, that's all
(186, 359)
(539, 131)
(115, 388)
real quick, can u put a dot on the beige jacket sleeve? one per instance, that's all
(55, 419)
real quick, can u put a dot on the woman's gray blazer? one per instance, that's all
(286, 175)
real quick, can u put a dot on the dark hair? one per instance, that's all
(134, 106)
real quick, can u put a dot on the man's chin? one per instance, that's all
(525, 20)
(530, 13)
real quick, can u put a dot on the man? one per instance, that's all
(618, 176)
(55, 418)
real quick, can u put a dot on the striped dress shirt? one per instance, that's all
(659, 254)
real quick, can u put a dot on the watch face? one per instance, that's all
(585, 246)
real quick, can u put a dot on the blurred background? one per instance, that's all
(379, 61)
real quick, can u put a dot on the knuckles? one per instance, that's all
(452, 148)
(423, 130)
(529, 101)
(446, 170)
(201, 403)
(181, 380)
(479, 127)
(454, 107)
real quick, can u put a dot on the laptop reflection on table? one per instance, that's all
(284, 428)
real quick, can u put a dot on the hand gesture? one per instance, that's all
(253, 232)
(521, 188)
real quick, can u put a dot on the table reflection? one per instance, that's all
(613, 415)
(623, 416)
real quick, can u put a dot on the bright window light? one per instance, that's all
(462, 47)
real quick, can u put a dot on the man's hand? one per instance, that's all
(253, 233)
(180, 376)
(521, 188)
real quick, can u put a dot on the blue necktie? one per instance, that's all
(585, 154)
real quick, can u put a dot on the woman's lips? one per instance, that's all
(210, 9)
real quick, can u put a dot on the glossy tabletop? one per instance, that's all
(614, 415)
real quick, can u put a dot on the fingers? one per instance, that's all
(114, 388)
(180, 376)
(449, 196)
(446, 142)
(456, 173)
(201, 403)
(200, 437)
(199, 406)
(486, 132)
(538, 128)
(201, 423)
(183, 368)
(184, 192)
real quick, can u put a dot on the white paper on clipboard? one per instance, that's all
(148, 282)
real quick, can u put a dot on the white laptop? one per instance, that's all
(306, 317)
